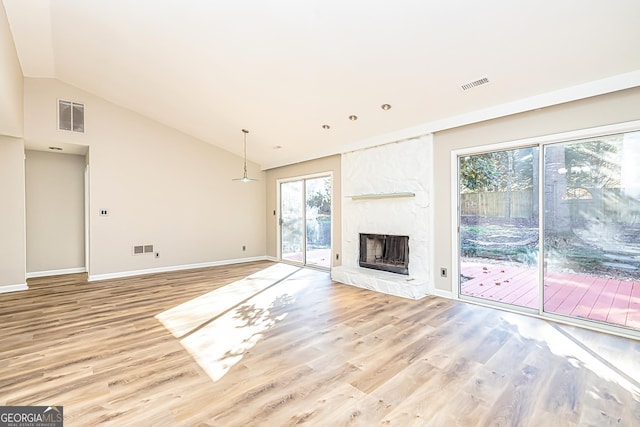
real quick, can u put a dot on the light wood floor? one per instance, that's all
(269, 344)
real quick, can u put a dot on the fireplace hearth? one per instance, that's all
(385, 252)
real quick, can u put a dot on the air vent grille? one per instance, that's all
(142, 249)
(476, 83)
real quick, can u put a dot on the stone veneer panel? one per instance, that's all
(398, 167)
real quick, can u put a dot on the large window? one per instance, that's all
(554, 228)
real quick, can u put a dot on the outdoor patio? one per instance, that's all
(608, 300)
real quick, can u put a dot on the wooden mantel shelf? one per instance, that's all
(381, 196)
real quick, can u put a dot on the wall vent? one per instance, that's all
(476, 83)
(142, 249)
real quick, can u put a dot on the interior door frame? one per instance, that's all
(541, 142)
(279, 217)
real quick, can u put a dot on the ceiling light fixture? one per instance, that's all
(385, 107)
(326, 127)
(244, 177)
(353, 117)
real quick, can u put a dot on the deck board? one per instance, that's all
(601, 299)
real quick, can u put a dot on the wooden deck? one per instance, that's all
(606, 300)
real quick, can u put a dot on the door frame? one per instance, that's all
(279, 213)
(541, 142)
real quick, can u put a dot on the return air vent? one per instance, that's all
(476, 83)
(142, 249)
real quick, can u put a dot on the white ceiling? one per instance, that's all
(283, 68)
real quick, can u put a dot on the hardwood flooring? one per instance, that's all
(265, 344)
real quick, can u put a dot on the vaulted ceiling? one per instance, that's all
(285, 68)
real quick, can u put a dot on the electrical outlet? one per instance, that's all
(244, 248)
(157, 254)
(337, 256)
(443, 272)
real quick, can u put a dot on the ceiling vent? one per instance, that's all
(476, 83)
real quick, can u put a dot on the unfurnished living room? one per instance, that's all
(249, 213)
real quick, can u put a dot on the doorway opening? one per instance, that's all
(305, 220)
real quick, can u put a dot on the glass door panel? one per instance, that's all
(498, 226)
(305, 221)
(318, 221)
(292, 228)
(592, 229)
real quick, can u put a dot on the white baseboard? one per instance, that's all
(118, 275)
(443, 294)
(13, 288)
(56, 272)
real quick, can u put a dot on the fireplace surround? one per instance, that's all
(388, 191)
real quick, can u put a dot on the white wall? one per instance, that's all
(160, 187)
(616, 107)
(55, 212)
(12, 242)
(11, 111)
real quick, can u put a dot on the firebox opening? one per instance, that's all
(385, 252)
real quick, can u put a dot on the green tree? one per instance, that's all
(593, 165)
(321, 199)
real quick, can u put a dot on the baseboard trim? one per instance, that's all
(118, 275)
(13, 288)
(60, 272)
(443, 294)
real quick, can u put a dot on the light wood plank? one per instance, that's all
(302, 351)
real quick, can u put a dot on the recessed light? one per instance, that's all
(385, 107)
(55, 148)
(326, 127)
(353, 117)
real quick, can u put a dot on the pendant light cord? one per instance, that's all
(245, 151)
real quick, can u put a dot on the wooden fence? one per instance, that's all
(493, 204)
(611, 206)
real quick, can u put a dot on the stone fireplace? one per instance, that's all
(387, 206)
(384, 252)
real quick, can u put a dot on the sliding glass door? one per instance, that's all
(592, 229)
(305, 221)
(498, 237)
(589, 233)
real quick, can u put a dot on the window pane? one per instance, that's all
(499, 226)
(592, 229)
(64, 115)
(78, 117)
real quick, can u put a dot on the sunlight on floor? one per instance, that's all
(562, 342)
(219, 327)
(184, 318)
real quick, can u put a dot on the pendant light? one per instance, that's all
(244, 177)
